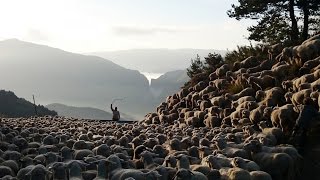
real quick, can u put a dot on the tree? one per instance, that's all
(278, 20)
(212, 62)
(196, 67)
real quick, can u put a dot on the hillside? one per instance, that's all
(168, 83)
(54, 75)
(84, 112)
(166, 59)
(13, 106)
(253, 106)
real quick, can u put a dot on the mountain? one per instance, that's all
(85, 112)
(12, 106)
(168, 83)
(166, 60)
(54, 75)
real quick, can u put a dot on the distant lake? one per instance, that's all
(150, 75)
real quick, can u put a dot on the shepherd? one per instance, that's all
(116, 114)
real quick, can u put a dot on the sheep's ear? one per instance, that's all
(149, 149)
(29, 173)
(235, 162)
(191, 172)
(178, 156)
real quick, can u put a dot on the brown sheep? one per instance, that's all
(298, 97)
(284, 117)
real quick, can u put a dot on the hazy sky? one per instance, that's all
(101, 25)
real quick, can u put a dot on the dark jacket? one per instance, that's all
(307, 113)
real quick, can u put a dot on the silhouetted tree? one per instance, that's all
(196, 67)
(278, 20)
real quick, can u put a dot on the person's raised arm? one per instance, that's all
(111, 107)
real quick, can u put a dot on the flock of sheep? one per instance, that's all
(204, 132)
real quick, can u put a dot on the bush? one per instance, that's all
(12, 106)
(234, 88)
(243, 52)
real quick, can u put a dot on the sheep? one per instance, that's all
(245, 164)
(23, 171)
(74, 171)
(230, 151)
(273, 131)
(4, 171)
(278, 165)
(272, 97)
(212, 121)
(284, 117)
(307, 78)
(121, 174)
(49, 140)
(11, 155)
(245, 92)
(38, 172)
(256, 115)
(264, 65)
(249, 105)
(220, 84)
(186, 174)
(11, 164)
(281, 71)
(147, 158)
(249, 62)
(241, 100)
(79, 145)
(66, 153)
(263, 82)
(260, 175)
(80, 154)
(309, 49)
(58, 170)
(221, 71)
(235, 174)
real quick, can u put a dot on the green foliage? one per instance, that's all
(12, 106)
(242, 52)
(212, 62)
(196, 67)
(278, 20)
(200, 70)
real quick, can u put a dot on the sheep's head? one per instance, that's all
(174, 144)
(212, 162)
(183, 174)
(253, 146)
(38, 172)
(238, 162)
(245, 113)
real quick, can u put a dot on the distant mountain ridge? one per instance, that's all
(85, 112)
(13, 106)
(168, 83)
(54, 75)
(165, 59)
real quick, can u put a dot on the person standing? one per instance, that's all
(308, 113)
(116, 114)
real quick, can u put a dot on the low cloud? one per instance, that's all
(131, 30)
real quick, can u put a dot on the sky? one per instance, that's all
(83, 26)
